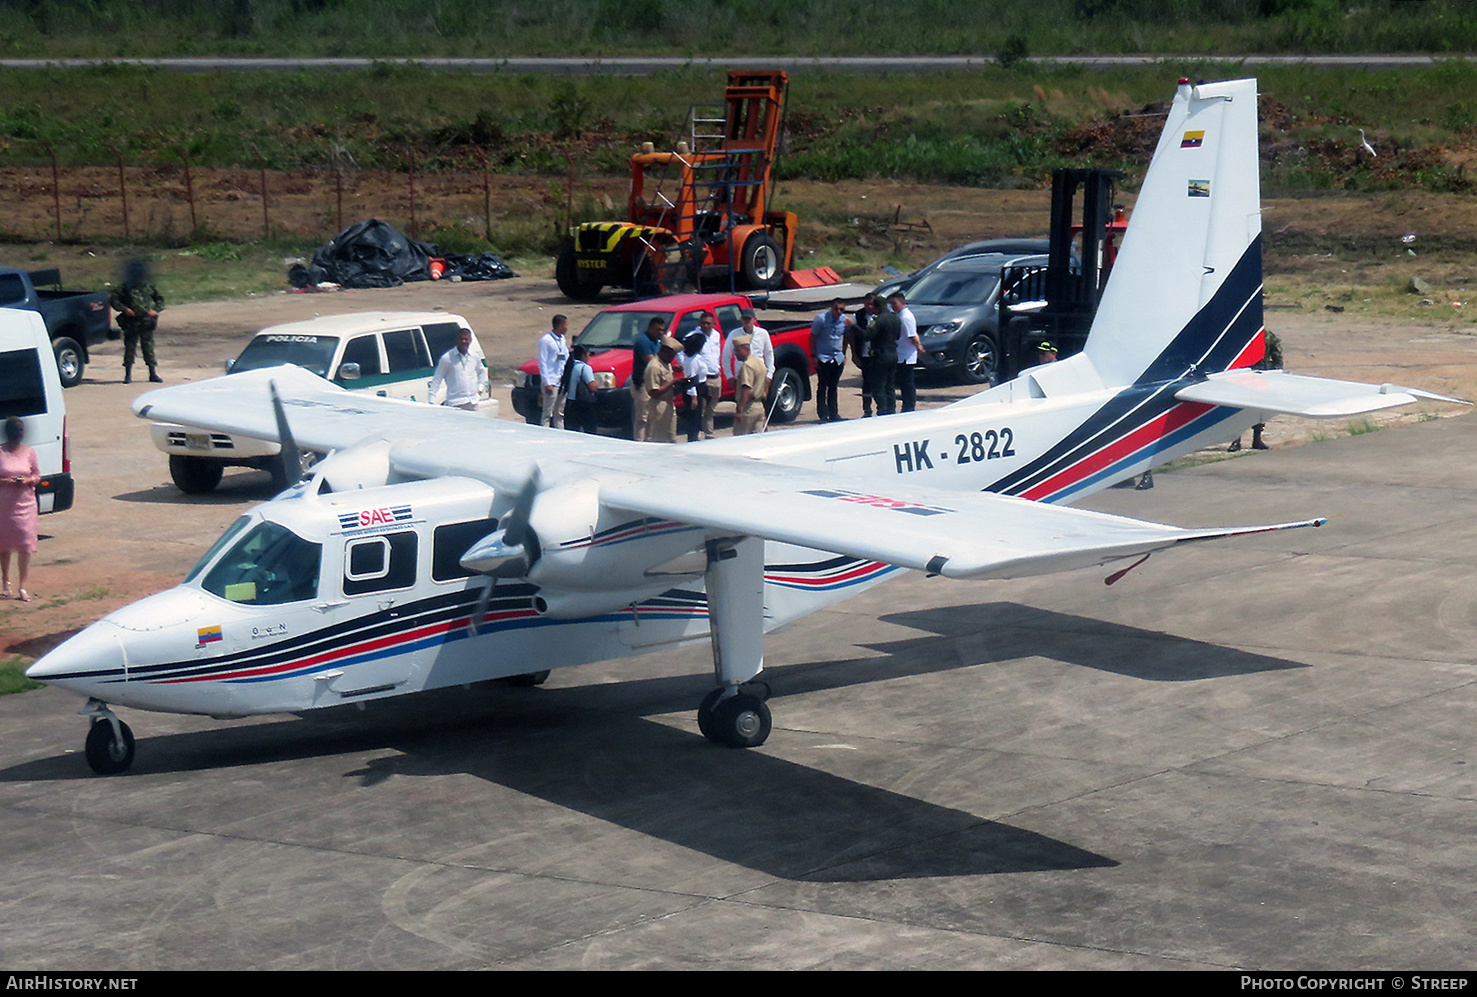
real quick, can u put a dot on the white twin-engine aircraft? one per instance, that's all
(432, 548)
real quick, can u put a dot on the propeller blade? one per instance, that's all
(292, 458)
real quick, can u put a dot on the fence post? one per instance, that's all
(486, 198)
(410, 155)
(122, 188)
(189, 191)
(261, 163)
(56, 190)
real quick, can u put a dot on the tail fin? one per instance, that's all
(1185, 295)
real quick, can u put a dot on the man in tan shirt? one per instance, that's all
(658, 383)
(751, 389)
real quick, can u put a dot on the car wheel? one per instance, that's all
(786, 395)
(761, 262)
(69, 362)
(981, 363)
(195, 475)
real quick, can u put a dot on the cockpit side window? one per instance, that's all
(268, 566)
(379, 563)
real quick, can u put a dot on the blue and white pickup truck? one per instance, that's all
(76, 321)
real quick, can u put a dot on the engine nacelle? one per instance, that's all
(584, 547)
(564, 605)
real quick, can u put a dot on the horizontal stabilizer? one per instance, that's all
(1281, 393)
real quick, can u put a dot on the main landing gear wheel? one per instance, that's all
(740, 721)
(106, 752)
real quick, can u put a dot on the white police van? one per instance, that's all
(390, 354)
(31, 388)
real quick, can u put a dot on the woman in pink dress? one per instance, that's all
(19, 476)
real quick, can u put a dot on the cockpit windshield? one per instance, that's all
(217, 547)
(268, 566)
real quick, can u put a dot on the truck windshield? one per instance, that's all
(615, 329)
(313, 353)
(268, 566)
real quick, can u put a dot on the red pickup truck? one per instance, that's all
(610, 334)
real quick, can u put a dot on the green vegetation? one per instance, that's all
(992, 127)
(13, 677)
(1004, 29)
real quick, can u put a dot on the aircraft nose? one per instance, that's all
(84, 663)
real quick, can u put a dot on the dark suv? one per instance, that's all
(957, 305)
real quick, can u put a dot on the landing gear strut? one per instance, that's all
(109, 740)
(732, 714)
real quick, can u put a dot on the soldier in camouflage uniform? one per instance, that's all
(1271, 360)
(138, 303)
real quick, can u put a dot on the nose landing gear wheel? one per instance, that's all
(107, 754)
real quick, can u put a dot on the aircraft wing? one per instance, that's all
(322, 415)
(1276, 391)
(954, 534)
(950, 533)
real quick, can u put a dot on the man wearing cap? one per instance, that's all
(659, 383)
(751, 384)
(1045, 353)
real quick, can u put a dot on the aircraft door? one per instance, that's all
(380, 640)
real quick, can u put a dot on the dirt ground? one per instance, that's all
(132, 533)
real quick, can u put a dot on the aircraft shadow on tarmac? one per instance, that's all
(590, 749)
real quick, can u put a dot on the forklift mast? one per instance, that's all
(1070, 290)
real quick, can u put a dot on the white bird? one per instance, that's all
(1364, 144)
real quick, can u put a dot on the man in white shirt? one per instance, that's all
(712, 357)
(553, 353)
(464, 374)
(759, 345)
(908, 348)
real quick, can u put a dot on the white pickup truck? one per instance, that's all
(391, 354)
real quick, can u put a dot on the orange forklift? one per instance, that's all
(698, 211)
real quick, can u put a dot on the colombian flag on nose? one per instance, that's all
(207, 635)
(1192, 140)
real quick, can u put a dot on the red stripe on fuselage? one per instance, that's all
(1156, 429)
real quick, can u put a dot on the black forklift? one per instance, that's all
(1055, 303)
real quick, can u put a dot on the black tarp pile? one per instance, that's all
(375, 254)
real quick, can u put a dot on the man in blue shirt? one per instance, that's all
(828, 343)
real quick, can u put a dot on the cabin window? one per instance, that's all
(268, 566)
(379, 563)
(22, 391)
(406, 351)
(451, 542)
